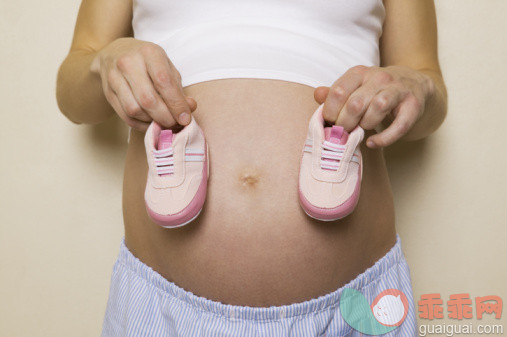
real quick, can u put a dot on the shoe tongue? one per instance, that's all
(336, 134)
(165, 139)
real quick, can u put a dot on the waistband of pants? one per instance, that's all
(393, 257)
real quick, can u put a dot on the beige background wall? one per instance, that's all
(60, 192)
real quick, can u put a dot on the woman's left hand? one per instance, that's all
(365, 96)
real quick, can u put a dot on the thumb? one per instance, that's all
(191, 103)
(320, 94)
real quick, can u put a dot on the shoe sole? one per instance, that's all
(183, 224)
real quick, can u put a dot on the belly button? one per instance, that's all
(248, 178)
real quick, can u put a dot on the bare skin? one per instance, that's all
(253, 244)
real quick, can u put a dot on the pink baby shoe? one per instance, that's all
(331, 170)
(177, 174)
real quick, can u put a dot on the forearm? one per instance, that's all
(79, 92)
(435, 108)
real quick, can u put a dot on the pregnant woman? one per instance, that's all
(251, 74)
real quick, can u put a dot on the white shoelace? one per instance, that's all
(331, 155)
(164, 161)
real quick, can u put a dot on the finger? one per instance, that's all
(137, 124)
(356, 105)
(406, 116)
(167, 82)
(340, 91)
(191, 103)
(120, 87)
(380, 106)
(320, 94)
(134, 123)
(147, 97)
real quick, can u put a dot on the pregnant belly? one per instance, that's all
(253, 244)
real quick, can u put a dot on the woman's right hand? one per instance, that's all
(142, 84)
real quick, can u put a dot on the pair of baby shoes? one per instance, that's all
(178, 171)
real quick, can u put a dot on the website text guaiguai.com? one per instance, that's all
(460, 329)
(461, 309)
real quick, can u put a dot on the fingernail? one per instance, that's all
(370, 143)
(184, 118)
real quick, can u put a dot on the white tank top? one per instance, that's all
(312, 42)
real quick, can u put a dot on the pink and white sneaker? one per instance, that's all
(177, 174)
(331, 170)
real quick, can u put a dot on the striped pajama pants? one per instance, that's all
(142, 303)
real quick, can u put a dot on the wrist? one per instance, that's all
(435, 105)
(428, 83)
